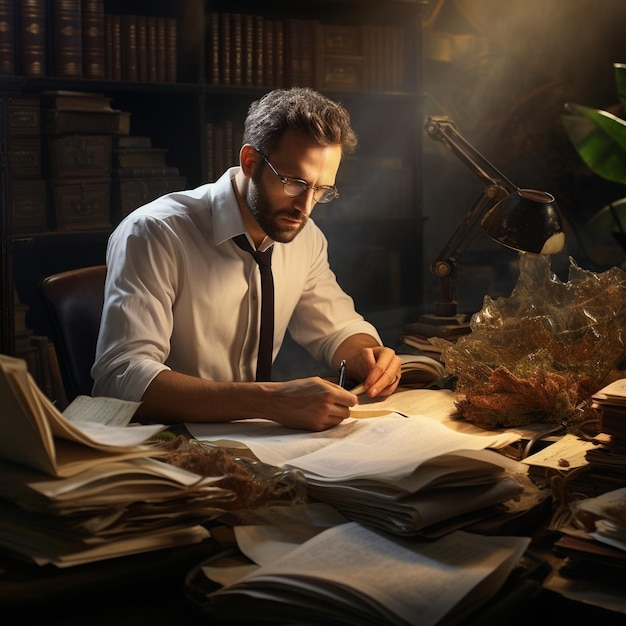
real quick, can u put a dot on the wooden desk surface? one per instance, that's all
(139, 589)
(150, 589)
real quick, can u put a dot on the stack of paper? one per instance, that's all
(74, 492)
(349, 574)
(400, 474)
(611, 402)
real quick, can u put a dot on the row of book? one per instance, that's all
(76, 39)
(251, 50)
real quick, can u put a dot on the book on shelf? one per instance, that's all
(113, 45)
(85, 122)
(8, 49)
(32, 33)
(236, 51)
(130, 70)
(68, 100)
(225, 49)
(352, 575)
(171, 50)
(92, 15)
(161, 50)
(132, 141)
(142, 48)
(66, 38)
(213, 48)
(271, 31)
(247, 50)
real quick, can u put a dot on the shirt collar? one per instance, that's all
(227, 220)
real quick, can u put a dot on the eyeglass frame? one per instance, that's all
(285, 180)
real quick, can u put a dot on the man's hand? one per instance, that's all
(376, 366)
(308, 403)
(382, 367)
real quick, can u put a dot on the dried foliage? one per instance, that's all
(254, 483)
(539, 355)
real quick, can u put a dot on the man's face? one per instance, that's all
(281, 216)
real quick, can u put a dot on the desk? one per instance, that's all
(149, 589)
(139, 589)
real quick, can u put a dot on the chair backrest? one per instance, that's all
(73, 302)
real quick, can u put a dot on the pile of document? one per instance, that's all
(73, 492)
(389, 466)
(317, 564)
(607, 460)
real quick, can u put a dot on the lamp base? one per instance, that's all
(449, 327)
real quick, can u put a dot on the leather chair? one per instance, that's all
(73, 301)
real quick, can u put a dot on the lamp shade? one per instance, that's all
(526, 220)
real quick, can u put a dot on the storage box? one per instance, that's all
(81, 204)
(28, 206)
(79, 156)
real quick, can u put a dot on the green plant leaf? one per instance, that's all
(610, 218)
(599, 138)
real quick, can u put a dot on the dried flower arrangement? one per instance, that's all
(537, 356)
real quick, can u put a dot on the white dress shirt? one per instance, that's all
(181, 295)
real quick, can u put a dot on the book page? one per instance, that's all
(354, 448)
(33, 432)
(24, 438)
(379, 579)
(566, 453)
(109, 411)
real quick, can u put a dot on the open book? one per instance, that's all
(34, 433)
(351, 575)
(417, 370)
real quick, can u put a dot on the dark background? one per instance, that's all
(502, 72)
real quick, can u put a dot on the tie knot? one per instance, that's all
(263, 259)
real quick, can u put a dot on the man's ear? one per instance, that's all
(249, 158)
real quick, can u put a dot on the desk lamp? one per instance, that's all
(526, 220)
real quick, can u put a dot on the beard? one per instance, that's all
(268, 218)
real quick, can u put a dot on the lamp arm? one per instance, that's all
(497, 187)
(440, 128)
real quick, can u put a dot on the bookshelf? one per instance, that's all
(162, 65)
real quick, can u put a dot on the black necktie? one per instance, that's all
(266, 333)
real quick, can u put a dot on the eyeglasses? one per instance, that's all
(295, 186)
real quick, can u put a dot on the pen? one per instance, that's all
(342, 373)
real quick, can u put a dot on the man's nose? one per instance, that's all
(305, 203)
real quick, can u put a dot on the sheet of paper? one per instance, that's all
(354, 448)
(566, 453)
(108, 411)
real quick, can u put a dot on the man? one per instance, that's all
(180, 325)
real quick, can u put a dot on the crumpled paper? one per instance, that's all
(538, 355)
